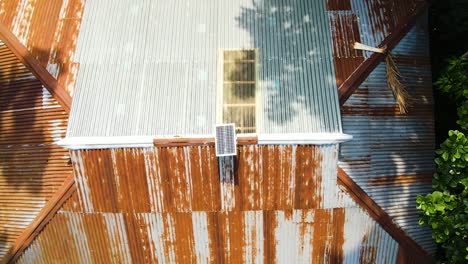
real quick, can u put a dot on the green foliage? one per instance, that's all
(445, 210)
(454, 80)
(463, 116)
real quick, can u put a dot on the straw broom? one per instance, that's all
(402, 97)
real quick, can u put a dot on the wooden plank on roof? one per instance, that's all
(350, 85)
(22, 53)
(206, 141)
(418, 254)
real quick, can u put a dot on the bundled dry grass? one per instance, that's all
(399, 90)
(402, 97)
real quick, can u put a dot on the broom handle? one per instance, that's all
(361, 46)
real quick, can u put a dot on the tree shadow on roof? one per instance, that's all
(295, 57)
(25, 146)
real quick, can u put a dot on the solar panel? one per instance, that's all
(225, 140)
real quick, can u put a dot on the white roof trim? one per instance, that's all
(147, 141)
(305, 139)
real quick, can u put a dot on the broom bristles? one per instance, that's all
(399, 91)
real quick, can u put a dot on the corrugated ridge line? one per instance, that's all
(391, 144)
(31, 167)
(127, 68)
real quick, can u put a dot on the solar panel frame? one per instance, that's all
(225, 140)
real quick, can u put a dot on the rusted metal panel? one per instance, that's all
(49, 29)
(374, 244)
(345, 32)
(341, 235)
(54, 244)
(391, 155)
(184, 179)
(338, 5)
(265, 206)
(370, 22)
(379, 18)
(32, 167)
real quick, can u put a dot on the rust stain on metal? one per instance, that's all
(338, 5)
(422, 61)
(282, 176)
(130, 175)
(338, 224)
(232, 245)
(250, 180)
(184, 239)
(96, 234)
(421, 111)
(307, 179)
(304, 236)
(49, 29)
(401, 179)
(204, 174)
(72, 204)
(184, 179)
(368, 255)
(387, 15)
(32, 167)
(178, 177)
(137, 238)
(269, 244)
(345, 32)
(322, 220)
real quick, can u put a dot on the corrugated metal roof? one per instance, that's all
(378, 18)
(345, 32)
(153, 69)
(299, 236)
(183, 179)
(125, 60)
(49, 29)
(391, 155)
(31, 166)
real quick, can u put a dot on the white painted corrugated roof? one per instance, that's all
(150, 67)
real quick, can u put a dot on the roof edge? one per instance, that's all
(75, 143)
(41, 220)
(418, 253)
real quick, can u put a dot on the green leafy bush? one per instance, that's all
(454, 80)
(445, 210)
(463, 116)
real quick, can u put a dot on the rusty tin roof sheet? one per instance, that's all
(130, 207)
(32, 167)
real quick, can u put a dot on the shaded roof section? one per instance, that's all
(150, 68)
(40, 35)
(49, 30)
(32, 166)
(392, 155)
